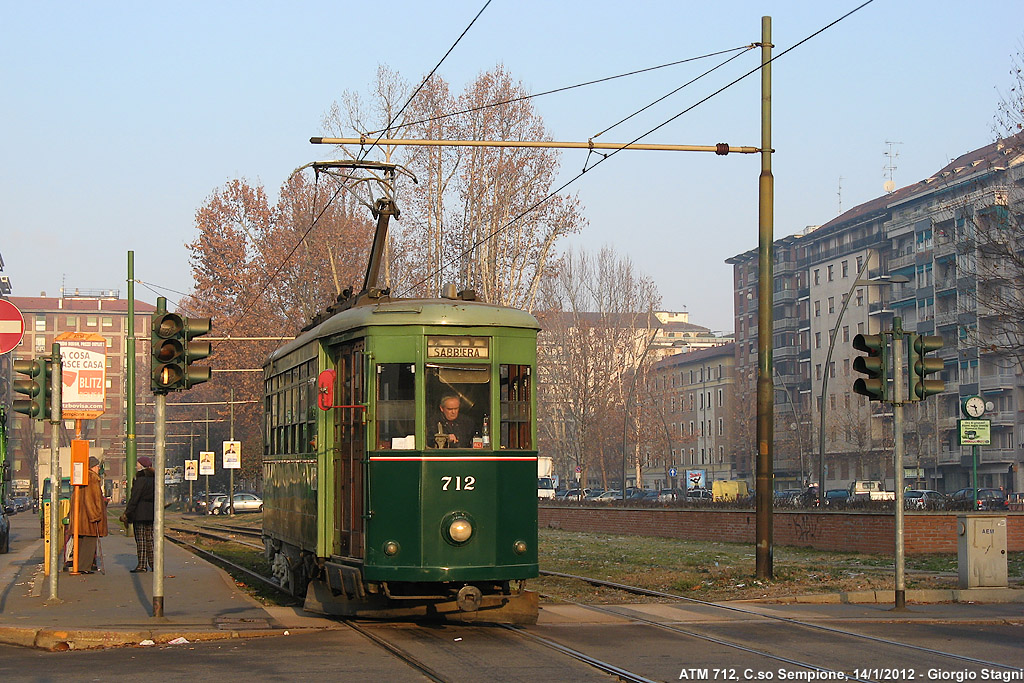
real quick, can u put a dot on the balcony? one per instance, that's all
(901, 261)
(994, 382)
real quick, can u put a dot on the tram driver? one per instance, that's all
(458, 427)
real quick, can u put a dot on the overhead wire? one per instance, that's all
(424, 81)
(604, 158)
(513, 100)
(366, 151)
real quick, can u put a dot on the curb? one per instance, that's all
(59, 640)
(919, 596)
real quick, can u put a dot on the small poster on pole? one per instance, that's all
(206, 462)
(232, 455)
(191, 470)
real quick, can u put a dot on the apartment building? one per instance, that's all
(936, 254)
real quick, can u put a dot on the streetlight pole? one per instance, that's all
(857, 282)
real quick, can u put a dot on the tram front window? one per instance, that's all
(458, 400)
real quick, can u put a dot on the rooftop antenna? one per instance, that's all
(839, 193)
(892, 155)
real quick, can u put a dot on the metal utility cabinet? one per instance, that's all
(981, 550)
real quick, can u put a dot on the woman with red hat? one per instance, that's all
(139, 513)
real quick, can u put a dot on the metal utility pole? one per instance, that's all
(56, 409)
(857, 282)
(160, 434)
(899, 376)
(765, 399)
(231, 474)
(130, 444)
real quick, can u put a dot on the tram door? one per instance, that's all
(349, 449)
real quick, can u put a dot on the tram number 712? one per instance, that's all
(458, 483)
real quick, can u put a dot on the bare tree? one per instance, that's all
(487, 218)
(597, 325)
(263, 271)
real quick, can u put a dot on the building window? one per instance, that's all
(846, 268)
(107, 321)
(817, 309)
(831, 275)
(90, 321)
(846, 333)
(831, 304)
(817, 340)
(721, 427)
(817, 276)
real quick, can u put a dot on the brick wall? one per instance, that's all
(866, 532)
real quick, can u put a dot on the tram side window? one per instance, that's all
(515, 406)
(396, 405)
(458, 403)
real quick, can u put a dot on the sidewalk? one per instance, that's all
(114, 607)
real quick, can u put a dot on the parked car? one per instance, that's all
(593, 493)
(987, 499)
(668, 495)
(215, 502)
(200, 504)
(787, 497)
(609, 496)
(923, 499)
(835, 497)
(5, 531)
(697, 495)
(244, 502)
(21, 503)
(574, 494)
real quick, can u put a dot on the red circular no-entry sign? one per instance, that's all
(12, 326)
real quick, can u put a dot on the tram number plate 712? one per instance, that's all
(458, 483)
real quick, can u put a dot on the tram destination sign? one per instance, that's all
(454, 348)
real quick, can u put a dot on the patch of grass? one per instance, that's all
(724, 571)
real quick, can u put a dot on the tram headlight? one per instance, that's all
(519, 547)
(391, 548)
(458, 528)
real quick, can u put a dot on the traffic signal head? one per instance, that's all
(875, 365)
(920, 366)
(35, 385)
(196, 350)
(167, 352)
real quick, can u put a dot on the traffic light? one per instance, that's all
(196, 350)
(920, 366)
(875, 365)
(36, 386)
(173, 352)
(167, 349)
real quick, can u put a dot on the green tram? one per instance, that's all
(400, 465)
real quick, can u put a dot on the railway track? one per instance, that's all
(722, 631)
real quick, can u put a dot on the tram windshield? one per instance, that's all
(458, 397)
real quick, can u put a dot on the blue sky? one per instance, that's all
(121, 118)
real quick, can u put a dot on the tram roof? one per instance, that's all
(414, 312)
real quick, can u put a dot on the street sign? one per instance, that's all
(672, 472)
(975, 432)
(12, 326)
(83, 357)
(232, 455)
